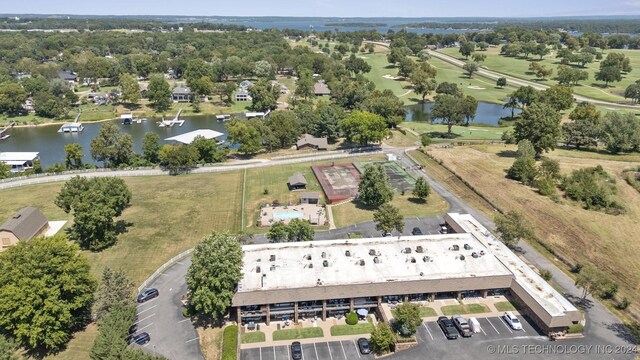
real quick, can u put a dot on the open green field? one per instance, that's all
(518, 67)
(301, 333)
(449, 310)
(379, 68)
(471, 132)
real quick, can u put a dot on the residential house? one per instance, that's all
(311, 142)
(245, 84)
(243, 95)
(320, 88)
(68, 75)
(297, 181)
(19, 161)
(23, 226)
(310, 198)
(181, 93)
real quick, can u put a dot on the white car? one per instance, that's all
(512, 320)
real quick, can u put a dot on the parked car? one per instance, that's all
(148, 294)
(512, 320)
(387, 234)
(416, 231)
(474, 324)
(133, 328)
(447, 328)
(462, 325)
(363, 345)
(140, 339)
(296, 350)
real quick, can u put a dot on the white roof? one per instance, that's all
(18, 156)
(187, 138)
(127, 116)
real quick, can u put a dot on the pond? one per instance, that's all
(488, 113)
(50, 144)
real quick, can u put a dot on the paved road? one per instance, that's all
(494, 75)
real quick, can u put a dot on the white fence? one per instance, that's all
(164, 267)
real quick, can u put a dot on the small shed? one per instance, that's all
(310, 198)
(297, 181)
(23, 226)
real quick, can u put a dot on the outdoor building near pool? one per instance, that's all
(297, 181)
(19, 161)
(326, 278)
(310, 198)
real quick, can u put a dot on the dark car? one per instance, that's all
(447, 328)
(148, 294)
(133, 328)
(140, 339)
(296, 350)
(363, 345)
(416, 231)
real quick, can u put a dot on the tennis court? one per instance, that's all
(398, 177)
(339, 182)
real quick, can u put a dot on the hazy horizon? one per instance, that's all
(332, 8)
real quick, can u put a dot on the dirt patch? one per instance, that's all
(210, 342)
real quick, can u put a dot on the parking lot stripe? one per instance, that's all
(426, 327)
(330, 354)
(356, 346)
(147, 309)
(301, 351)
(481, 329)
(142, 328)
(194, 339)
(288, 354)
(181, 321)
(141, 320)
(316, 350)
(343, 352)
(504, 322)
(260, 352)
(494, 328)
(274, 353)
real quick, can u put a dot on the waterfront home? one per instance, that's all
(245, 84)
(19, 161)
(181, 93)
(22, 226)
(243, 95)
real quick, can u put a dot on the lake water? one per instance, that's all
(50, 144)
(487, 113)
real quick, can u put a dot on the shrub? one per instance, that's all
(508, 137)
(425, 139)
(546, 274)
(351, 318)
(592, 187)
(230, 343)
(575, 329)
(577, 268)
(624, 304)
(402, 131)
(546, 185)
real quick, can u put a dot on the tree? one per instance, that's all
(299, 230)
(585, 128)
(387, 218)
(558, 97)
(541, 50)
(407, 318)
(470, 67)
(467, 48)
(501, 82)
(633, 92)
(284, 129)
(618, 60)
(327, 123)
(159, 93)
(386, 104)
(46, 291)
(178, 158)
(469, 108)
(609, 74)
(111, 342)
(525, 96)
(374, 188)
(151, 147)
(209, 151)
(73, 156)
(450, 109)
(571, 76)
(423, 79)
(448, 89)
(279, 232)
(540, 124)
(511, 227)
(114, 289)
(362, 127)
(12, 97)
(201, 86)
(263, 69)
(405, 67)
(242, 132)
(422, 190)
(482, 45)
(620, 132)
(94, 203)
(304, 85)
(130, 88)
(111, 147)
(479, 58)
(524, 167)
(591, 280)
(357, 65)
(264, 95)
(8, 349)
(214, 272)
(382, 339)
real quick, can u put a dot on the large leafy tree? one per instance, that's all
(540, 124)
(387, 218)
(111, 342)
(284, 129)
(111, 147)
(633, 92)
(450, 110)
(151, 147)
(46, 292)
(159, 93)
(421, 189)
(511, 227)
(407, 318)
(115, 289)
(382, 339)
(95, 203)
(386, 104)
(8, 349)
(524, 167)
(214, 273)
(470, 67)
(73, 156)
(467, 48)
(423, 79)
(558, 97)
(209, 151)
(328, 121)
(178, 158)
(12, 96)
(264, 95)
(374, 188)
(362, 127)
(130, 88)
(585, 128)
(244, 133)
(620, 132)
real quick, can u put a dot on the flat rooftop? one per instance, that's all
(18, 156)
(187, 138)
(301, 265)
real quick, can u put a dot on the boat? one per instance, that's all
(170, 123)
(5, 137)
(224, 117)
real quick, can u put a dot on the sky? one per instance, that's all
(327, 8)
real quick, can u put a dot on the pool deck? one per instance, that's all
(315, 214)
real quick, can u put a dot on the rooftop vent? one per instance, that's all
(474, 255)
(407, 250)
(419, 249)
(347, 253)
(462, 257)
(325, 263)
(324, 255)
(258, 269)
(421, 274)
(272, 268)
(455, 248)
(272, 258)
(361, 263)
(467, 247)
(372, 252)
(311, 266)
(319, 282)
(413, 260)
(376, 260)
(481, 252)
(426, 259)
(308, 257)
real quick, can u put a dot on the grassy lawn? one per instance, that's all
(168, 215)
(230, 343)
(274, 179)
(504, 306)
(607, 241)
(426, 311)
(350, 213)
(252, 337)
(363, 327)
(519, 68)
(471, 132)
(80, 346)
(302, 333)
(399, 139)
(379, 68)
(449, 310)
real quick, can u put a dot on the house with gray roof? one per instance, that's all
(312, 142)
(26, 224)
(297, 181)
(320, 88)
(181, 93)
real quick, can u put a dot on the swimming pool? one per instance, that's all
(288, 215)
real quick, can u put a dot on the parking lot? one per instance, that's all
(334, 350)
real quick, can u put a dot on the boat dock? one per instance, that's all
(74, 127)
(170, 123)
(4, 136)
(224, 117)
